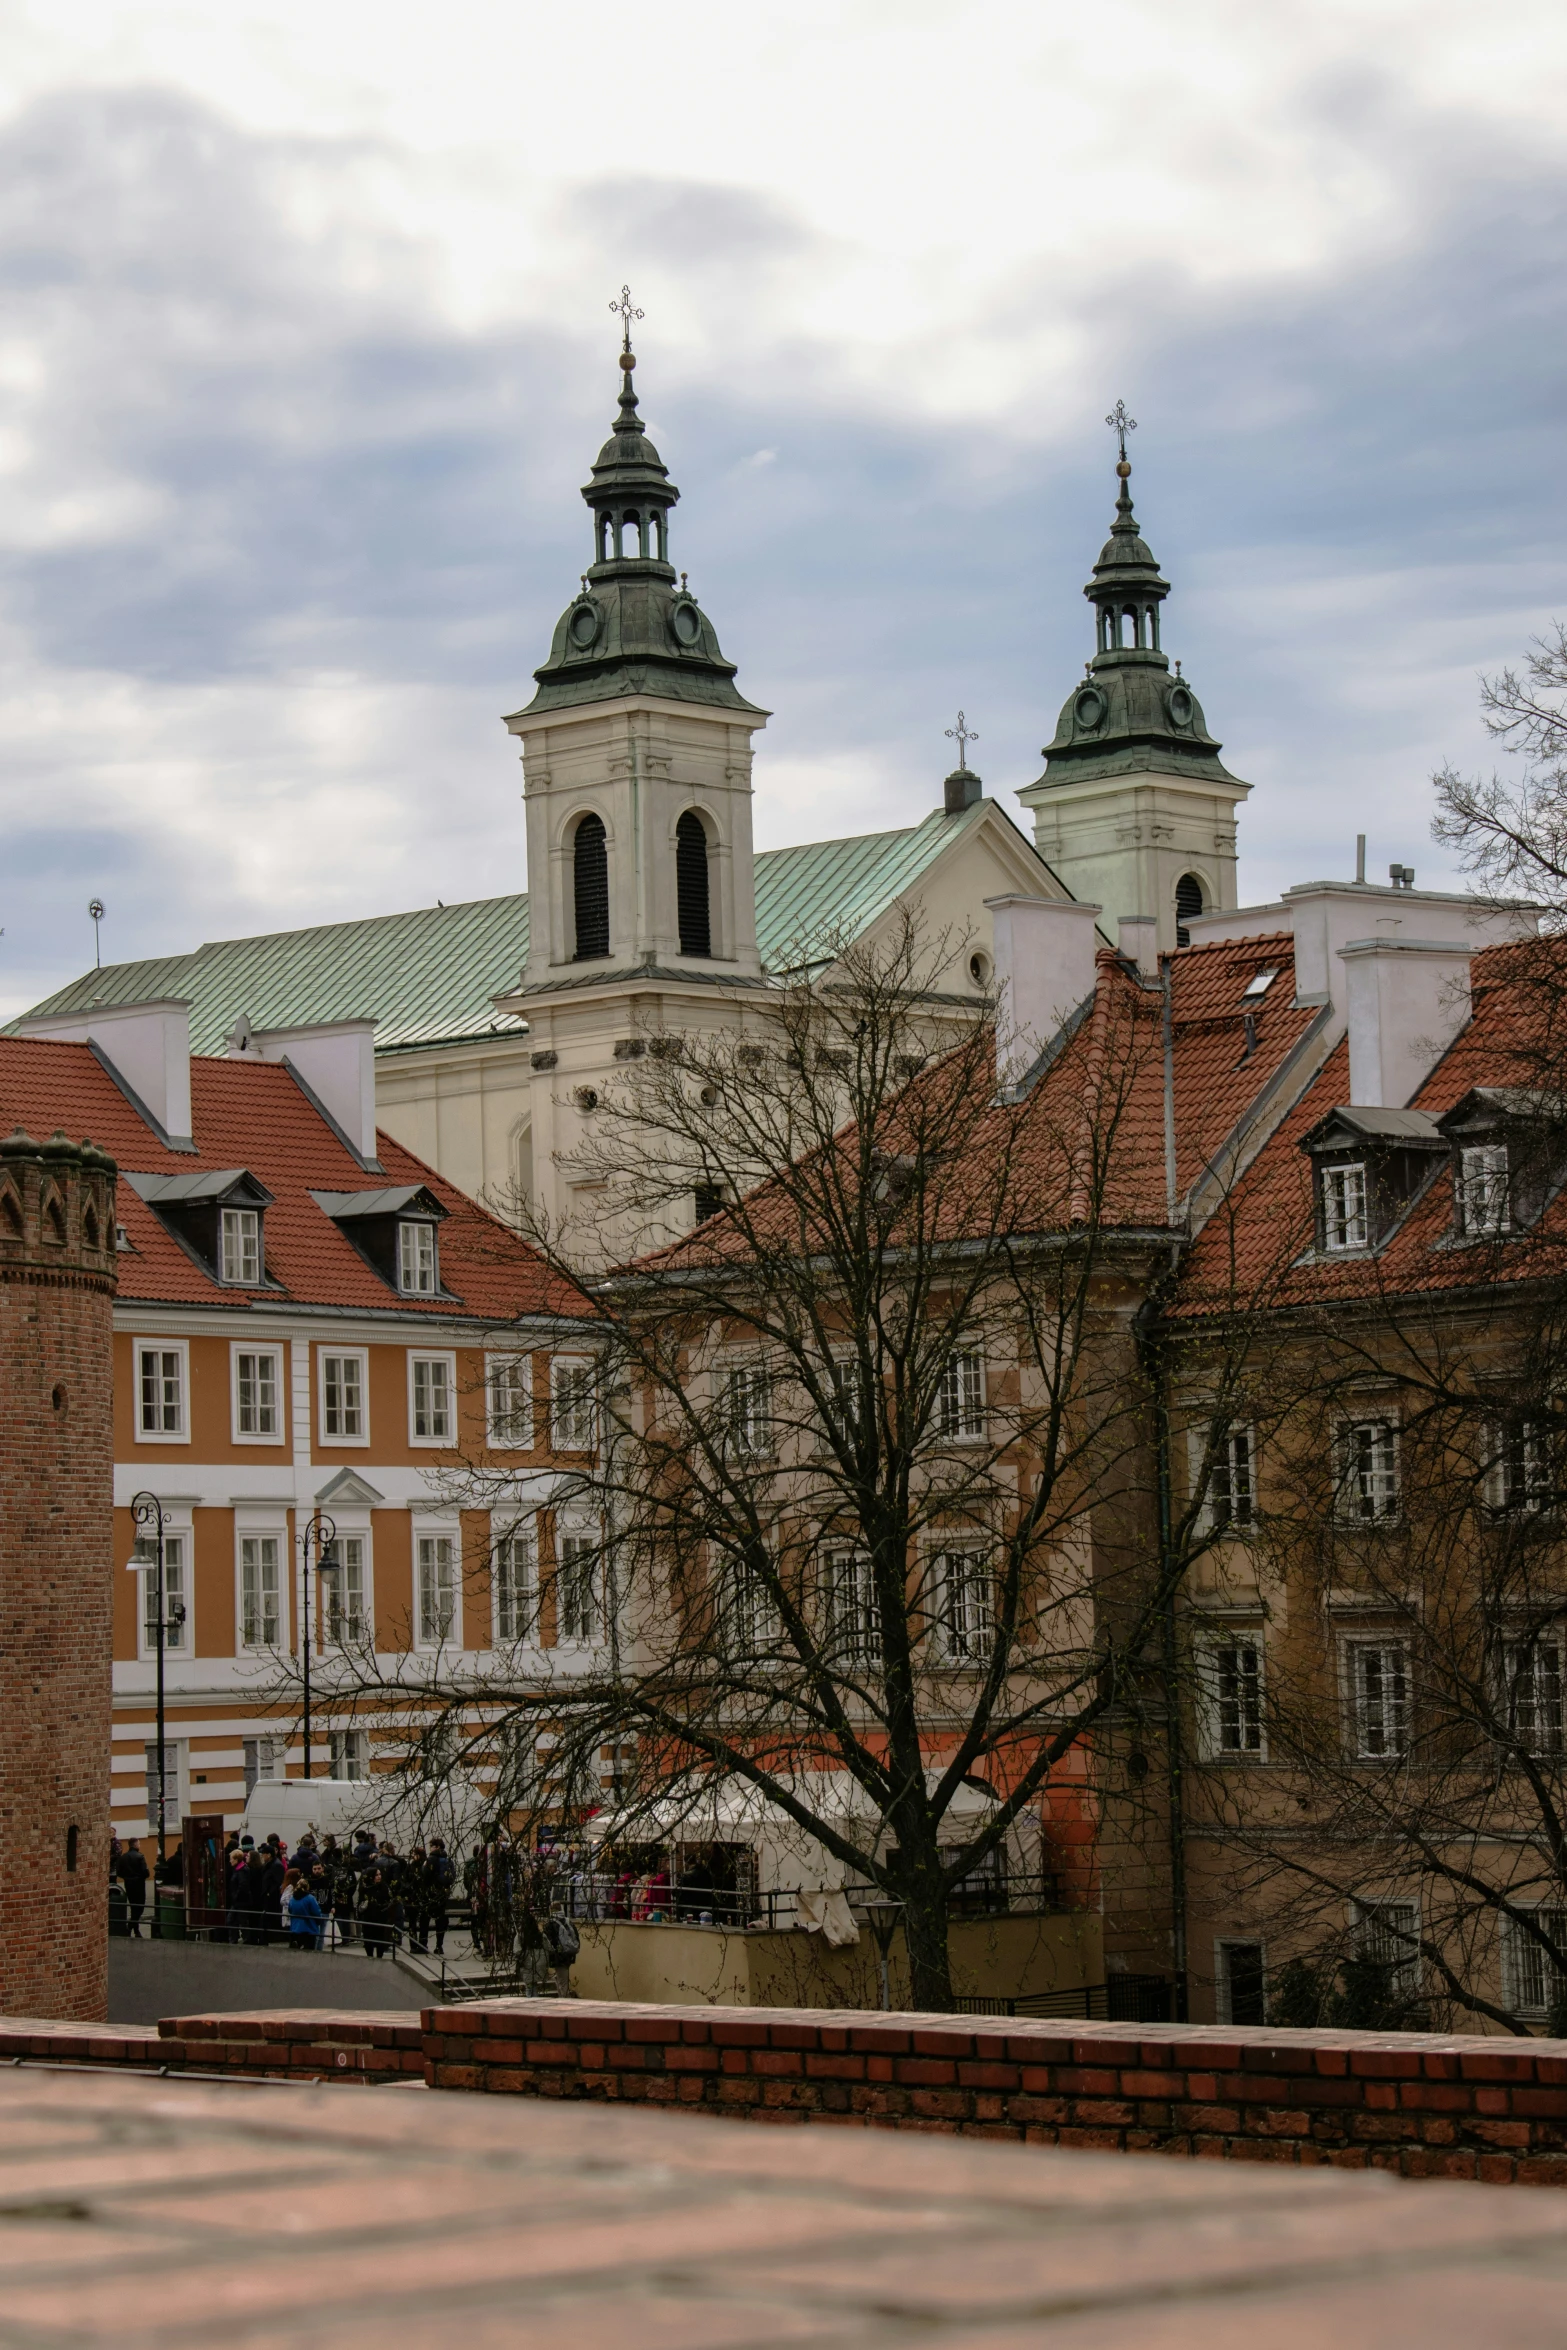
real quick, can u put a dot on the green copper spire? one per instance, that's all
(633, 630)
(1129, 714)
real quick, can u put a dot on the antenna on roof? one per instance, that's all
(95, 908)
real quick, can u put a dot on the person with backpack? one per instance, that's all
(305, 1920)
(564, 1944)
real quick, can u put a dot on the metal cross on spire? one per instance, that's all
(1120, 424)
(627, 311)
(962, 734)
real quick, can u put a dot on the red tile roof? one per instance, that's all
(252, 1114)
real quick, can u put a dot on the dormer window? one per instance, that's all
(241, 1246)
(416, 1273)
(1482, 1188)
(1344, 1223)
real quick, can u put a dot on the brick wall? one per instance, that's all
(268, 2043)
(57, 1281)
(1421, 2103)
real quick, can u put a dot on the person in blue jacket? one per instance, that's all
(305, 1921)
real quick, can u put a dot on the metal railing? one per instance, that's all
(1120, 1999)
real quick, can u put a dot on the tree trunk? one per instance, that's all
(925, 1938)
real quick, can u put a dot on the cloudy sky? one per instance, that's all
(305, 349)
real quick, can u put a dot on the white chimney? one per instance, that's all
(336, 1059)
(1137, 942)
(148, 1046)
(1405, 1001)
(1044, 970)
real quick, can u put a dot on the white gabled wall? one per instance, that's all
(148, 1044)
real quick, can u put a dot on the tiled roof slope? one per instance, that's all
(252, 1114)
(1272, 1206)
(428, 977)
(1086, 1142)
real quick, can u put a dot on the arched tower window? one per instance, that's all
(590, 885)
(691, 891)
(1188, 905)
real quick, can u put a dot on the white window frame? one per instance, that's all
(576, 1529)
(573, 1427)
(1223, 1945)
(1346, 1209)
(748, 1409)
(264, 1532)
(853, 1628)
(513, 1593)
(1518, 1467)
(411, 1232)
(960, 1398)
(341, 1744)
(177, 1528)
(436, 1532)
(1527, 1969)
(753, 1625)
(263, 1760)
(1232, 1696)
(447, 1361)
(239, 1347)
(1363, 1703)
(1384, 1488)
(965, 1578)
(1482, 1190)
(360, 1355)
(246, 1226)
(326, 1618)
(179, 1347)
(1232, 1473)
(1407, 1961)
(509, 1423)
(1520, 1657)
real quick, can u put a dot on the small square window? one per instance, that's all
(750, 1418)
(416, 1274)
(176, 1625)
(509, 1391)
(515, 1580)
(1345, 1224)
(1534, 1967)
(437, 1589)
(1532, 1695)
(260, 1582)
(969, 1605)
(1518, 1468)
(241, 1246)
(1368, 1484)
(576, 1589)
(350, 1754)
(1231, 1503)
(343, 1590)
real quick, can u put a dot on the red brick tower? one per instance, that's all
(57, 1281)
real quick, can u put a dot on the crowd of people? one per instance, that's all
(364, 1891)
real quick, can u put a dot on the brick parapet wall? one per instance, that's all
(267, 2044)
(1424, 2104)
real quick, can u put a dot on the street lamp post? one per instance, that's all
(147, 1557)
(319, 1535)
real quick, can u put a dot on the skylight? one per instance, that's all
(1258, 984)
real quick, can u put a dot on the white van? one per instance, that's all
(384, 1804)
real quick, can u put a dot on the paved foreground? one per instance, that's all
(143, 2211)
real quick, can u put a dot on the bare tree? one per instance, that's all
(866, 1519)
(1511, 832)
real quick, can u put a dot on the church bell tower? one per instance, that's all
(1136, 810)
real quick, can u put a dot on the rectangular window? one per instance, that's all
(1230, 1688)
(176, 1629)
(1379, 1698)
(513, 1569)
(343, 1593)
(1387, 1933)
(1242, 1983)
(754, 1625)
(1517, 1473)
(437, 1589)
(160, 1380)
(350, 1754)
(263, 1760)
(571, 1403)
(260, 1593)
(416, 1259)
(431, 1399)
(1231, 1502)
(343, 1398)
(1344, 1220)
(576, 1589)
(240, 1238)
(1532, 1696)
(1482, 1188)
(257, 1383)
(508, 1390)
(853, 1626)
(1367, 1472)
(960, 1399)
(1533, 1975)
(968, 1604)
(171, 1784)
(750, 1419)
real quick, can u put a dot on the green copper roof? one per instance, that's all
(1128, 716)
(428, 977)
(632, 630)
